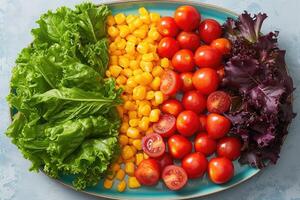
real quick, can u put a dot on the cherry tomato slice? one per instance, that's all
(179, 146)
(165, 160)
(220, 170)
(218, 102)
(183, 60)
(166, 126)
(172, 106)
(195, 165)
(217, 125)
(167, 47)
(194, 100)
(206, 80)
(187, 123)
(148, 172)
(223, 45)
(229, 147)
(204, 144)
(209, 30)
(187, 81)
(153, 145)
(170, 83)
(167, 27)
(188, 40)
(202, 119)
(187, 18)
(174, 177)
(206, 56)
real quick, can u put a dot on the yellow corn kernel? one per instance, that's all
(133, 183)
(144, 102)
(150, 95)
(146, 66)
(147, 78)
(133, 64)
(165, 63)
(159, 98)
(144, 110)
(127, 90)
(145, 156)
(131, 82)
(115, 70)
(123, 140)
(120, 18)
(124, 97)
(152, 48)
(154, 17)
(130, 48)
(107, 73)
(138, 158)
(140, 33)
(154, 115)
(113, 60)
(157, 71)
(153, 103)
(121, 80)
(133, 133)
(132, 114)
(121, 186)
(143, 47)
(113, 47)
(132, 159)
(121, 45)
(127, 152)
(134, 122)
(115, 167)
(120, 174)
(137, 144)
(113, 31)
(131, 38)
(123, 61)
(145, 19)
(107, 184)
(130, 140)
(131, 27)
(143, 11)
(129, 105)
(134, 150)
(130, 18)
(129, 168)
(124, 31)
(137, 22)
(153, 34)
(127, 72)
(137, 71)
(155, 84)
(149, 131)
(117, 53)
(148, 57)
(111, 20)
(139, 92)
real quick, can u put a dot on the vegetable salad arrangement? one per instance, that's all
(140, 98)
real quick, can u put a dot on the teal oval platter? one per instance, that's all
(194, 188)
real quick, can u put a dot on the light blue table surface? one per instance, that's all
(280, 182)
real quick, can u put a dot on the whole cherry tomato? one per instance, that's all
(217, 126)
(206, 80)
(188, 40)
(202, 119)
(187, 123)
(194, 100)
(229, 147)
(206, 56)
(167, 27)
(187, 81)
(148, 172)
(187, 18)
(183, 60)
(179, 146)
(167, 47)
(195, 165)
(172, 106)
(205, 144)
(223, 45)
(209, 30)
(220, 170)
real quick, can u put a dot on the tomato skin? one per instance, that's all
(187, 82)
(174, 177)
(187, 18)
(209, 30)
(170, 83)
(206, 80)
(179, 146)
(223, 45)
(187, 123)
(188, 40)
(183, 60)
(217, 125)
(194, 100)
(195, 165)
(218, 102)
(165, 160)
(206, 56)
(167, 27)
(148, 172)
(220, 170)
(167, 47)
(153, 145)
(229, 147)
(202, 119)
(166, 126)
(204, 144)
(221, 73)
(172, 106)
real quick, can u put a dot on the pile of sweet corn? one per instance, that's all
(137, 69)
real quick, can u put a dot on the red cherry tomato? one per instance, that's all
(218, 102)
(209, 30)
(187, 18)
(229, 147)
(202, 119)
(206, 80)
(188, 40)
(195, 165)
(148, 172)
(220, 170)
(206, 56)
(174, 177)
(167, 47)
(153, 145)
(187, 123)
(179, 146)
(204, 144)
(217, 125)
(172, 106)
(166, 126)
(165, 160)
(167, 27)
(194, 100)
(183, 60)
(170, 83)
(221, 73)
(223, 45)
(187, 82)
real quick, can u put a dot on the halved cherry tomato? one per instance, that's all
(187, 82)
(148, 172)
(187, 18)
(153, 145)
(179, 146)
(217, 125)
(166, 126)
(170, 83)
(188, 40)
(194, 100)
(167, 47)
(183, 60)
(206, 56)
(229, 147)
(218, 102)
(209, 30)
(202, 119)
(172, 106)
(174, 177)
(206, 80)
(223, 45)
(187, 123)
(165, 160)
(220, 170)
(204, 144)
(167, 27)
(195, 164)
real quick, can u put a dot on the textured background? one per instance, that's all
(280, 182)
